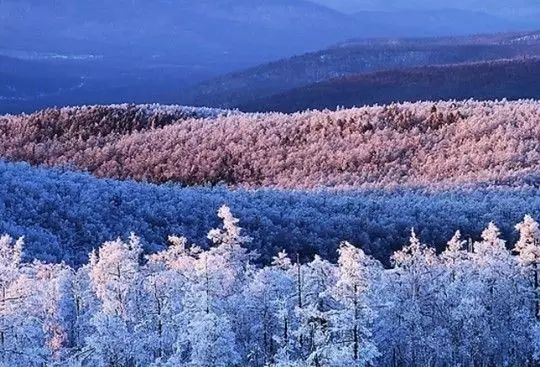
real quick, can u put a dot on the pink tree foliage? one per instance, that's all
(415, 144)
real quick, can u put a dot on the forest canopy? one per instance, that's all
(426, 144)
(474, 303)
(63, 215)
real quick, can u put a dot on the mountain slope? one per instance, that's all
(356, 56)
(63, 215)
(510, 79)
(429, 144)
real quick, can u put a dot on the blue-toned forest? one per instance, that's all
(64, 214)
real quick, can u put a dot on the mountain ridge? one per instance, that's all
(511, 79)
(354, 57)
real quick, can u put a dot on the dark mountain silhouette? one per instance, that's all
(354, 57)
(511, 79)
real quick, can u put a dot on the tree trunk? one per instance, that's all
(355, 328)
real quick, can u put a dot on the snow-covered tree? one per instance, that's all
(269, 303)
(411, 333)
(208, 341)
(314, 333)
(23, 339)
(528, 250)
(116, 280)
(352, 319)
(505, 320)
(230, 243)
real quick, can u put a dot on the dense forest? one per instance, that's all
(332, 267)
(191, 183)
(63, 215)
(427, 144)
(473, 304)
(510, 79)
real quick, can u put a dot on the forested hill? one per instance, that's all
(63, 215)
(510, 79)
(355, 57)
(427, 144)
(452, 165)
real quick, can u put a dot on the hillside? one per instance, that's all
(354, 57)
(428, 144)
(63, 215)
(195, 298)
(510, 79)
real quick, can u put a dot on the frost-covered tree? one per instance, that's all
(23, 339)
(116, 280)
(528, 250)
(353, 317)
(459, 304)
(208, 341)
(168, 276)
(411, 332)
(528, 245)
(269, 309)
(314, 333)
(505, 310)
(76, 306)
(230, 243)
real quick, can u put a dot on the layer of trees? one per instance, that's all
(87, 122)
(511, 79)
(435, 144)
(472, 304)
(63, 215)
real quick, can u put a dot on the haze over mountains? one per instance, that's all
(96, 51)
(281, 79)
(502, 8)
(247, 31)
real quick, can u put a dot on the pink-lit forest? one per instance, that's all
(428, 144)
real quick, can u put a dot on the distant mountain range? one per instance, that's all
(510, 79)
(280, 85)
(98, 51)
(215, 34)
(505, 8)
